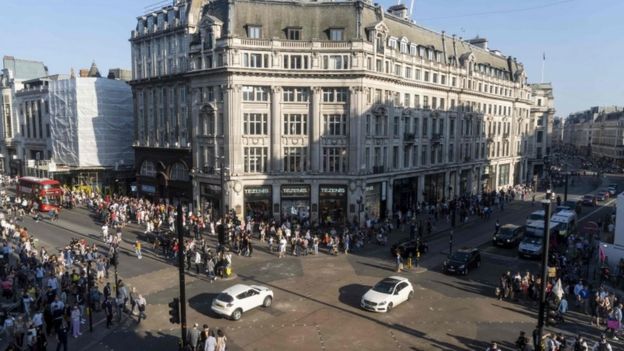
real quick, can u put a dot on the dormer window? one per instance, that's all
(254, 31)
(392, 43)
(336, 34)
(293, 33)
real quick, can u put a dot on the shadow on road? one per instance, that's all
(351, 294)
(201, 303)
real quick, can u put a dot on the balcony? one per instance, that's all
(409, 138)
(378, 169)
(436, 138)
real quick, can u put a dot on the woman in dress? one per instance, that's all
(221, 340)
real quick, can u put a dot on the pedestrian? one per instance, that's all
(211, 342)
(61, 337)
(210, 269)
(193, 336)
(75, 320)
(141, 304)
(203, 337)
(108, 309)
(197, 261)
(399, 262)
(522, 341)
(493, 347)
(137, 249)
(221, 341)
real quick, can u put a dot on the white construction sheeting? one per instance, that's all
(91, 122)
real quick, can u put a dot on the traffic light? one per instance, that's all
(174, 311)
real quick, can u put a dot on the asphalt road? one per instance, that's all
(316, 304)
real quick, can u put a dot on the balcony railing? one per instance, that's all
(378, 169)
(409, 137)
(436, 138)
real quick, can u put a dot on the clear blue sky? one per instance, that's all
(582, 38)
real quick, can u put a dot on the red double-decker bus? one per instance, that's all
(45, 192)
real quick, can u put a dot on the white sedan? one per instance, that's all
(235, 300)
(387, 294)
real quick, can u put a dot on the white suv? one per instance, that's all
(235, 300)
(387, 294)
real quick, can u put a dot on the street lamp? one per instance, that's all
(547, 203)
(89, 287)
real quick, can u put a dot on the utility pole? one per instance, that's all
(181, 274)
(547, 203)
(565, 191)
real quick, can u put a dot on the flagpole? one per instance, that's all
(543, 65)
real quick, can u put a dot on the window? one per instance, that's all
(335, 124)
(416, 100)
(179, 172)
(296, 94)
(395, 127)
(425, 127)
(293, 33)
(295, 124)
(334, 94)
(256, 60)
(404, 47)
(392, 43)
(426, 76)
(255, 93)
(254, 32)
(435, 78)
(406, 100)
(450, 153)
(395, 157)
(336, 34)
(442, 79)
(334, 159)
(417, 74)
(255, 124)
(406, 156)
(255, 159)
(148, 169)
(295, 159)
(423, 155)
(336, 62)
(408, 72)
(296, 61)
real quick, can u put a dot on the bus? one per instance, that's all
(45, 192)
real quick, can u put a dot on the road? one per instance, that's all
(316, 305)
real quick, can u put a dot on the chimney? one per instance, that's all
(479, 42)
(399, 10)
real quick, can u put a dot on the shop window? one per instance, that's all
(179, 172)
(148, 169)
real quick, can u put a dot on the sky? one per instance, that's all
(582, 40)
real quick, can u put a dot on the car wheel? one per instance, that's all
(389, 308)
(237, 314)
(410, 295)
(267, 301)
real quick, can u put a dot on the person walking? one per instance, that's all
(211, 342)
(193, 336)
(61, 337)
(137, 249)
(108, 309)
(399, 262)
(75, 320)
(141, 304)
(221, 341)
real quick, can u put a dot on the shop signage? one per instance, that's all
(257, 190)
(148, 188)
(210, 189)
(333, 190)
(296, 191)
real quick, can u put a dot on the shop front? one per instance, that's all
(465, 178)
(434, 187)
(332, 204)
(405, 193)
(210, 199)
(374, 201)
(257, 201)
(295, 202)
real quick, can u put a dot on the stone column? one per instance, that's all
(232, 130)
(355, 151)
(457, 185)
(275, 127)
(447, 183)
(315, 130)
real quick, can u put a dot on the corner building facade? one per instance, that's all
(339, 111)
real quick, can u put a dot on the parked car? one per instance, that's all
(235, 300)
(589, 200)
(612, 189)
(461, 261)
(508, 235)
(408, 246)
(387, 294)
(602, 196)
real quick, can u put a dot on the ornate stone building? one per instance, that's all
(336, 111)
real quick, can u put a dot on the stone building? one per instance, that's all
(542, 116)
(578, 129)
(331, 111)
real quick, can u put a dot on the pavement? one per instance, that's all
(316, 304)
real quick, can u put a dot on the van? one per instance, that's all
(566, 221)
(532, 245)
(535, 221)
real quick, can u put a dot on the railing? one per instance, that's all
(335, 44)
(409, 137)
(255, 42)
(378, 169)
(436, 138)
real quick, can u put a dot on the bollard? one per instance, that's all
(409, 261)
(417, 257)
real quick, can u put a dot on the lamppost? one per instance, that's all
(89, 287)
(181, 275)
(222, 233)
(547, 203)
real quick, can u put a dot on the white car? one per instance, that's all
(235, 300)
(387, 294)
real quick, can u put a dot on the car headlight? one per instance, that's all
(445, 263)
(462, 266)
(508, 240)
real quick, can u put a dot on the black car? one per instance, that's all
(508, 235)
(461, 261)
(407, 247)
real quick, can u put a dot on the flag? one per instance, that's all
(601, 253)
(544, 56)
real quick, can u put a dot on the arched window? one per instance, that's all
(179, 172)
(148, 169)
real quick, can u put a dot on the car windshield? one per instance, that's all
(460, 256)
(536, 217)
(225, 297)
(385, 286)
(532, 239)
(507, 231)
(588, 197)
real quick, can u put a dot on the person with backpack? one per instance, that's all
(580, 344)
(602, 345)
(521, 342)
